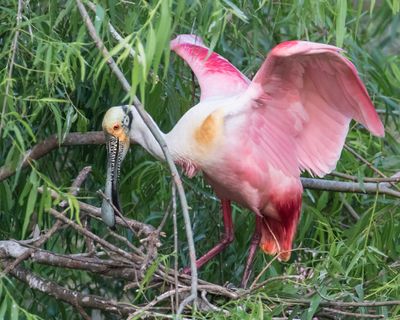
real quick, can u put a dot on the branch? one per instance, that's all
(139, 227)
(156, 133)
(75, 189)
(91, 235)
(71, 297)
(354, 187)
(11, 61)
(51, 143)
(109, 268)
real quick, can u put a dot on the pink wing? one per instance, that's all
(216, 75)
(302, 100)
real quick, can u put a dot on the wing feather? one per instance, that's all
(301, 101)
(217, 76)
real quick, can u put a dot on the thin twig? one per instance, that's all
(11, 61)
(70, 296)
(342, 304)
(394, 178)
(76, 184)
(156, 133)
(119, 214)
(28, 253)
(211, 306)
(354, 315)
(140, 227)
(126, 242)
(87, 233)
(369, 164)
(349, 208)
(165, 217)
(271, 279)
(352, 187)
(175, 222)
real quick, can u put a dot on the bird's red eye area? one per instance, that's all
(116, 126)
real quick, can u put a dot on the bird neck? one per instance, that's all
(151, 144)
(174, 142)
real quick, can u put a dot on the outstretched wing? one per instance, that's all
(299, 107)
(216, 75)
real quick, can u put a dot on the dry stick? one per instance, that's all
(262, 284)
(51, 143)
(152, 239)
(210, 288)
(11, 61)
(156, 133)
(394, 178)
(92, 236)
(352, 187)
(75, 188)
(70, 296)
(126, 242)
(211, 306)
(77, 183)
(28, 253)
(349, 208)
(175, 222)
(164, 219)
(119, 214)
(139, 227)
(369, 164)
(353, 314)
(106, 267)
(341, 304)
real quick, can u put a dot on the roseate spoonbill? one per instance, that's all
(252, 139)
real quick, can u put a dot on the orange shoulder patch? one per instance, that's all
(209, 130)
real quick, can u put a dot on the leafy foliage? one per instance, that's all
(60, 84)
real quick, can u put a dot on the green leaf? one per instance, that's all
(3, 308)
(314, 304)
(48, 63)
(14, 311)
(30, 205)
(99, 18)
(341, 11)
(58, 119)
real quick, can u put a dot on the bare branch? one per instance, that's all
(70, 296)
(76, 184)
(51, 143)
(354, 315)
(354, 187)
(129, 256)
(395, 178)
(139, 227)
(78, 181)
(369, 164)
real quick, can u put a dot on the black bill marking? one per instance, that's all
(116, 172)
(114, 159)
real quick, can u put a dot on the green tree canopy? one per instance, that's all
(55, 82)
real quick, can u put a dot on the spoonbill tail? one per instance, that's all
(252, 139)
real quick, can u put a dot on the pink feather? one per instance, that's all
(217, 76)
(293, 116)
